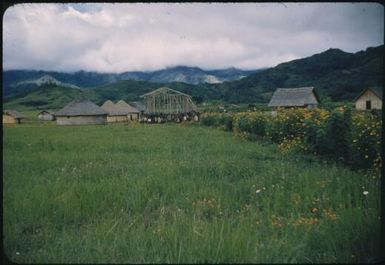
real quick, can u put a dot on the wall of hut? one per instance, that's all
(46, 117)
(81, 120)
(375, 102)
(133, 116)
(9, 119)
(116, 118)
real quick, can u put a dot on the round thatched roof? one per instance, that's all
(81, 107)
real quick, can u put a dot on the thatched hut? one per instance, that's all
(12, 116)
(132, 112)
(81, 112)
(115, 113)
(107, 104)
(120, 112)
(370, 98)
(304, 97)
(45, 115)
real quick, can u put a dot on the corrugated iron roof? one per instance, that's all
(81, 107)
(293, 97)
(378, 91)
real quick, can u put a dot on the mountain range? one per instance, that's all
(16, 81)
(334, 73)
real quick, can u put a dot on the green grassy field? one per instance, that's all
(177, 194)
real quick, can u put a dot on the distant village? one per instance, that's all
(165, 104)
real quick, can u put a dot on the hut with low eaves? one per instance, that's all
(370, 98)
(303, 97)
(115, 113)
(45, 115)
(120, 111)
(12, 116)
(132, 112)
(81, 112)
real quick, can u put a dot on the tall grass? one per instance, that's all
(173, 194)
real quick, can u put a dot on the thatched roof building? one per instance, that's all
(124, 105)
(107, 104)
(12, 116)
(294, 97)
(119, 112)
(132, 112)
(369, 98)
(79, 112)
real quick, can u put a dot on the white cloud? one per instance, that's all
(127, 37)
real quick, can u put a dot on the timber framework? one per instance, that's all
(165, 100)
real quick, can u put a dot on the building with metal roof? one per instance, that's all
(294, 97)
(369, 98)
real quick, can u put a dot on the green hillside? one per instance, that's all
(334, 73)
(44, 97)
(54, 97)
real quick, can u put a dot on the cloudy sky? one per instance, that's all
(130, 37)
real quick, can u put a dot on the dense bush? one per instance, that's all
(340, 134)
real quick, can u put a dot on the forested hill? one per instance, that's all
(334, 73)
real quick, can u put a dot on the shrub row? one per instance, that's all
(351, 137)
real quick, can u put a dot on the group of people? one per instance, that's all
(164, 117)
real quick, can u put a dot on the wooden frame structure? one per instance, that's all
(167, 101)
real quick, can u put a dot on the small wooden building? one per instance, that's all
(304, 97)
(12, 116)
(81, 112)
(370, 98)
(45, 115)
(165, 100)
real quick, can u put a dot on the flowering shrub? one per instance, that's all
(350, 137)
(286, 125)
(251, 122)
(366, 140)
